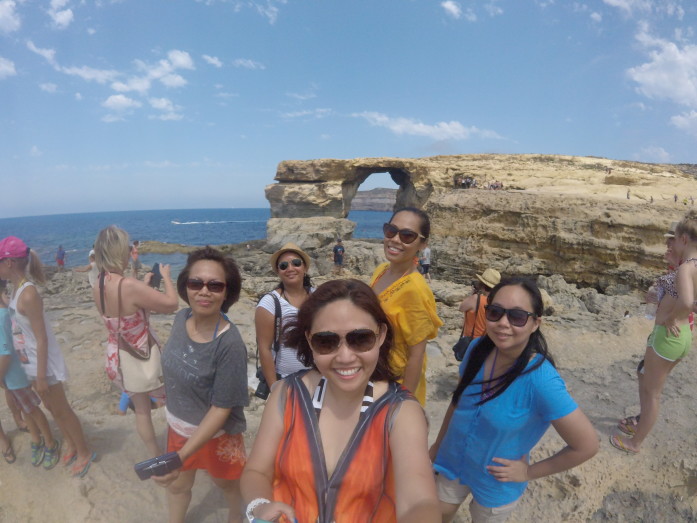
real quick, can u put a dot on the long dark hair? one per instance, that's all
(360, 295)
(536, 345)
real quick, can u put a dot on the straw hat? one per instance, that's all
(289, 247)
(671, 230)
(490, 277)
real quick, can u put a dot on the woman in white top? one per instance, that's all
(291, 264)
(39, 351)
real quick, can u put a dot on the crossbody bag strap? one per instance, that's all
(278, 318)
(476, 311)
(102, 277)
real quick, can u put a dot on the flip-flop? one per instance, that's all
(68, 459)
(628, 425)
(79, 470)
(617, 442)
(9, 455)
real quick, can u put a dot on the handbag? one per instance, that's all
(141, 369)
(461, 345)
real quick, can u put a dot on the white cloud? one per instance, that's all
(7, 68)
(35, 151)
(162, 104)
(86, 73)
(314, 113)
(9, 19)
(91, 31)
(48, 54)
(224, 94)
(307, 95)
(654, 154)
(61, 17)
(452, 9)
(173, 80)
(629, 6)
(111, 118)
(440, 131)
(137, 83)
(180, 59)
(48, 87)
(166, 116)
(686, 122)
(671, 72)
(78, 96)
(213, 60)
(596, 17)
(120, 102)
(248, 64)
(493, 9)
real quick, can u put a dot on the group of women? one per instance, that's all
(343, 436)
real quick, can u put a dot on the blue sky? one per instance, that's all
(150, 104)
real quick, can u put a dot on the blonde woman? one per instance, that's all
(124, 304)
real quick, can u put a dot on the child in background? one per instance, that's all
(15, 382)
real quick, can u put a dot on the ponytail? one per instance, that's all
(34, 267)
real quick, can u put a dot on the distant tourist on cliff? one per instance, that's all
(425, 261)
(135, 258)
(338, 251)
(60, 257)
(406, 298)
(675, 198)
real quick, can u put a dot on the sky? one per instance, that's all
(132, 104)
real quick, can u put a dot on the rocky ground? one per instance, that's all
(596, 348)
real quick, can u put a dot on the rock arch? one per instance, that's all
(327, 187)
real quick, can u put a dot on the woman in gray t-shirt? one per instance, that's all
(205, 369)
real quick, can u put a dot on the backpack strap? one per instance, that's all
(278, 318)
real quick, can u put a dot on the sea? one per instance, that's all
(77, 232)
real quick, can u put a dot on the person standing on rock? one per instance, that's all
(338, 257)
(671, 338)
(474, 306)
(508, 395)
(60, 257)
(406, 298)
(425, 261)
(291, 264)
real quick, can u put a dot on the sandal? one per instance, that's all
(37, 452)
(52, 455)
(69, 458)
(9, 454)
(79, 470)
(628, 425)
(617, 442)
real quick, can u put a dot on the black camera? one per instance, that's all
(263, 387)
(158, 466)
(156, 276)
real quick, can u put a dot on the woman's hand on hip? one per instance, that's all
(510, 469)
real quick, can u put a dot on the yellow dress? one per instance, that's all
(411, 309)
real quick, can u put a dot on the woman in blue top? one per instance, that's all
(509, 393)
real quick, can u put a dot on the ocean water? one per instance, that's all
(77, 232)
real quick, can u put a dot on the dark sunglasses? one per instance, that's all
(359, 340)
(406, 236)
(194, 284)
(516, 317)
(297, 262)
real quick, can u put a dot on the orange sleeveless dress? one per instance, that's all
(362, 486)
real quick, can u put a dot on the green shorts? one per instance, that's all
(669, 347)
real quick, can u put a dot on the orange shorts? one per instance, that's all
(223, 457)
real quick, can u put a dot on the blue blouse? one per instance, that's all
(508, 427)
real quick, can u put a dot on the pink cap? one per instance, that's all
(13, 247)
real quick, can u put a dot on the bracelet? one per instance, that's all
(254, 504)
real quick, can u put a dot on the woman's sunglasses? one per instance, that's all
(406, 236)
(359, 340)
(194, 284)
(297, 262)
(516, 317)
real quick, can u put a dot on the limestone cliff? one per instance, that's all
(598, 222)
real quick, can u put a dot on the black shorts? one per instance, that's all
(426, 267)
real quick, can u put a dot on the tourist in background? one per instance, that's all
(509, 393)
(425, 261)
(341, 442)
(124, 304)
(60, 258)
(406, 298)
(671, 338)
(338, 252)
(474, 306)
(291, 264)
(40, 353)
(205, 371)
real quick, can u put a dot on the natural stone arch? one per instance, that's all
(327, 187)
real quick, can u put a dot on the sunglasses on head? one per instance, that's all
(516, 317)
(406, 236)
(195, 284)
(358, 340)
(297, 262)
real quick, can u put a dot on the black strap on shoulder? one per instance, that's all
(476, 311)
(278, 317)
(102, 275)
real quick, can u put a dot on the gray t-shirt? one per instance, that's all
(198, 375)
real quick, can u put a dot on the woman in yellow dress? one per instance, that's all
(406, 298)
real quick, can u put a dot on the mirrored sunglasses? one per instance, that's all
(194, 284)
(406, 236)
(358, 340)
(516, 317)
(297, 262)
